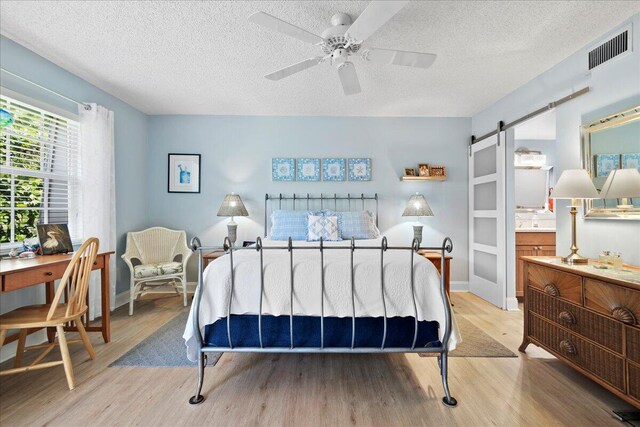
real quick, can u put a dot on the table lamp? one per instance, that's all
(232, 206)
(574, 184)
(417, 206)
(622, 184)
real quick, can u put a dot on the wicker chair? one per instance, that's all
(156, 256)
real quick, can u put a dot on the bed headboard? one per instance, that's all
(323, 201)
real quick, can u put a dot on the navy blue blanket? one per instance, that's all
(306, 332)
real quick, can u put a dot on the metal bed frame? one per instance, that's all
(203, 348)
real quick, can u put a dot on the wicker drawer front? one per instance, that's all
(633, 344)
(599, 362)
(555, 283)
(634, 380)
(618, 302)
(601, 329)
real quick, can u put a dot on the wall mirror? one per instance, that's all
(610, 143)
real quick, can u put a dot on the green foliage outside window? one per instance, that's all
(28, 191)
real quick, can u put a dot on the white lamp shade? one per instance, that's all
(417, 206)
(621, 183)
(574, 184)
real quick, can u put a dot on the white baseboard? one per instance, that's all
(512, 304)
(459, 286)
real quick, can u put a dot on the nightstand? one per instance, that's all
(210, 257)
(434, 257)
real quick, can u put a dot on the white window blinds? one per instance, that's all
(39, 162)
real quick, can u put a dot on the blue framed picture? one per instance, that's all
(631, 161)
(333, 169)
(283, 169)
(605, 163)
(308, 169)
(359, 169)
(184, 173)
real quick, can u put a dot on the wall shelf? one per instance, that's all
(423, 178)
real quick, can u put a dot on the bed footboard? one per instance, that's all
(441, 348)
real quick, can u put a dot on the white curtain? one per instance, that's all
(97, 193)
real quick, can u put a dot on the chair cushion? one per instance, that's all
(157, 269)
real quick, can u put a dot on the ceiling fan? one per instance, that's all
(344, 39)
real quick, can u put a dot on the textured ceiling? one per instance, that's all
(206, 58)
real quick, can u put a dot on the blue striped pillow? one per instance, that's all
(285, 224)
(359, 224)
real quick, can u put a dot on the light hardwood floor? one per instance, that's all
(254, 389)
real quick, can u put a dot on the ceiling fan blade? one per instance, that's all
(295, 68)
(348, 78)
(399, 57)
(280, 26)
(373, 17)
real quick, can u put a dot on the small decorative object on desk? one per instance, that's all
(283, 169)
(184, 173)
(437, 171)
(359, 169)
(423, 169)
(409, 172)
(54, 238)
(308, 169)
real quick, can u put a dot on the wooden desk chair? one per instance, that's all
(75, 284)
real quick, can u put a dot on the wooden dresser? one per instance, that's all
(531, 243)
(588, 318)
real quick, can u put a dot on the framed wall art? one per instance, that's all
(308, 169)
(333, 169)
(359, 169)
(631, 161)
(184, 173)
(283, 169)
(605, 163)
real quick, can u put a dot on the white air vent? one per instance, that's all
(608, 50)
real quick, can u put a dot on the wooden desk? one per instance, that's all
(434, 257)
(22, 273)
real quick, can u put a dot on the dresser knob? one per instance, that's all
(552, 290)
(624, 315)
(567, 346)
(567, 317)
(48, 273)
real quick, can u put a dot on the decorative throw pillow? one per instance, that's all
(285, 224)
(357, 224)
(322, 226)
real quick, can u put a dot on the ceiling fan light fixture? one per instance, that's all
(343, 39)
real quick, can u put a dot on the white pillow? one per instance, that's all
(322, 226)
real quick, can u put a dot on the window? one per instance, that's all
(39, 172)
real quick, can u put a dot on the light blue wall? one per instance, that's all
(236, 156)
(130, 133)
(615, 86)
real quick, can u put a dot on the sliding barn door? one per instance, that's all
(487, 268)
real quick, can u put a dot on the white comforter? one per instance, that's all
(307, 286)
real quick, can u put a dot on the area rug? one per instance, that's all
(164, 348)
(475, 343)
